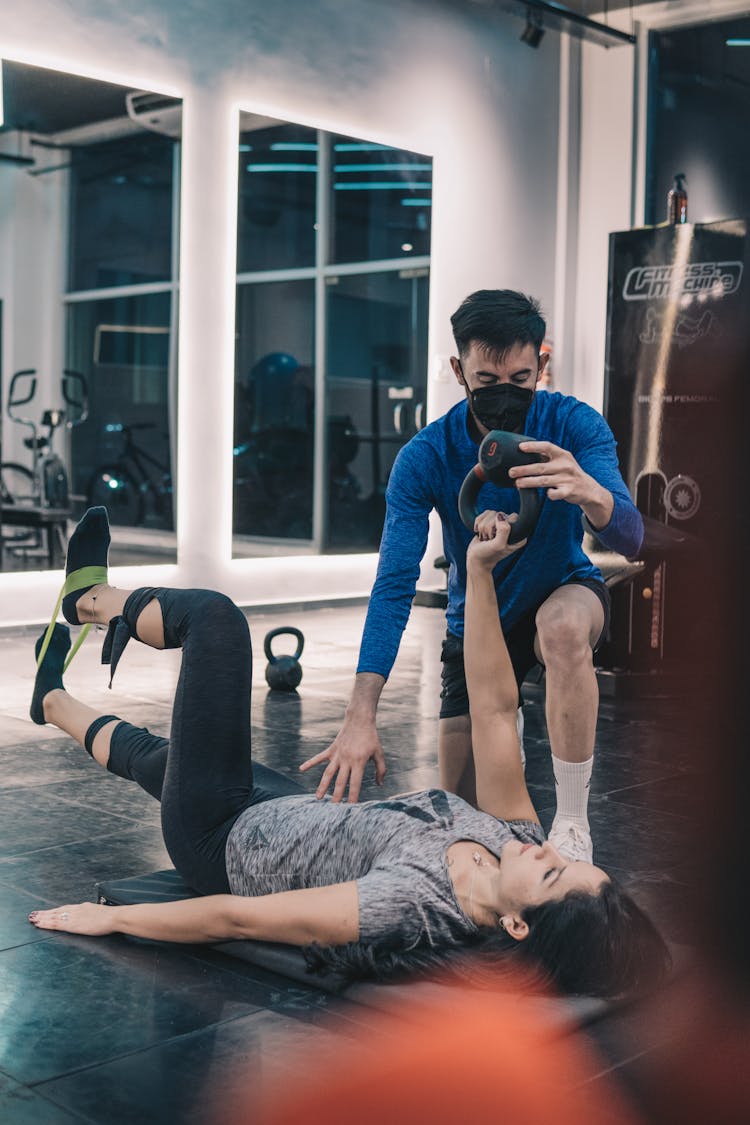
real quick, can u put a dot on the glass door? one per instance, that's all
(331, 336)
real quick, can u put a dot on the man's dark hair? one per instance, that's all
(496, 320)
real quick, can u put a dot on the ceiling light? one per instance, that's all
(383, 185)
(281, 167)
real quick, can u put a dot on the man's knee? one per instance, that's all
(563, 633)
(455, 729)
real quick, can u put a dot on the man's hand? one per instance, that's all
(347, 757)
(81, 918)
(564, 479)
(491, 542)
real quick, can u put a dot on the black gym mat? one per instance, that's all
(168, 886)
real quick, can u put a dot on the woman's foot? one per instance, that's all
(86, 564)
(49, 675)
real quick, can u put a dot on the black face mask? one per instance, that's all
(503, 406)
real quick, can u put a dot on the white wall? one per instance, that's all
(604, 203)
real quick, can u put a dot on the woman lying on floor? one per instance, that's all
(374, 888)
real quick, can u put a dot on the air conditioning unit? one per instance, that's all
(158, 112)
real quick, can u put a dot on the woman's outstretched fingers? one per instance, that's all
(80, 918)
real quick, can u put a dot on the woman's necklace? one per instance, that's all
(477, 857)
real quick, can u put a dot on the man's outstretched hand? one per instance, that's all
(347, 757)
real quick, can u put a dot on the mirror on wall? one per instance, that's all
(89, 205)
(331, 333)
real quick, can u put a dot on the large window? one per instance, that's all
(123, 200)
(121, 212)
(333, 275)
(376, 359)
(274, 410)
(277, 190)
(123, 450)
(88, 240)
(381, 201)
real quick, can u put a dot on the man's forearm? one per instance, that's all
(363, 704)
(599, 508)
(616, 523)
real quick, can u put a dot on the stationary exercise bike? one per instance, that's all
(37, 499)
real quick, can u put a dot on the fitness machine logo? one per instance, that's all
(684, 331)
(650, 283)
(682, 497)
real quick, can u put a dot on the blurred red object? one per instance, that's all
(468, 1056)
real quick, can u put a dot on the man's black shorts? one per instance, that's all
(520, 642)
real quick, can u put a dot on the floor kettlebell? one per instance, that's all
(283, 673)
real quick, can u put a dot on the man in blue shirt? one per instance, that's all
(552, 601)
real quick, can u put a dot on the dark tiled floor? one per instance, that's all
(115, 1031)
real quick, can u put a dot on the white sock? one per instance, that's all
(572, 780)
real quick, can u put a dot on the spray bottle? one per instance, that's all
(677, 200)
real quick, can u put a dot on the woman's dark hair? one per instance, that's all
(593, 945)
(496, 319)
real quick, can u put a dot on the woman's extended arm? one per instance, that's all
(493, 694)
(327, 915)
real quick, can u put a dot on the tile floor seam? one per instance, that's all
(23, 944)
(74, 1114)
(252, 1011)
(71, 843)
(77, 803)
(72, 803)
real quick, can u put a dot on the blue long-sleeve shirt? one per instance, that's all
(428, 473)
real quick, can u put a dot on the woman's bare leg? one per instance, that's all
(75, 718)
(99, 604)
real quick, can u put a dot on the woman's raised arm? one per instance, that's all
(327, 915)
(493, 694)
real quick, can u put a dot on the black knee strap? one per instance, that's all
(96, 726)
(135, 605)
(122, 628)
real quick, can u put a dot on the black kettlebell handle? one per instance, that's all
(499, 452)
(280, 632)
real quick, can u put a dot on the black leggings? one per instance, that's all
(203, 775)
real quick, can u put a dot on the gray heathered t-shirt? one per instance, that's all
(394, 849)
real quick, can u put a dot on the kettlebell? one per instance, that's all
(283, 673)
(499, 452)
